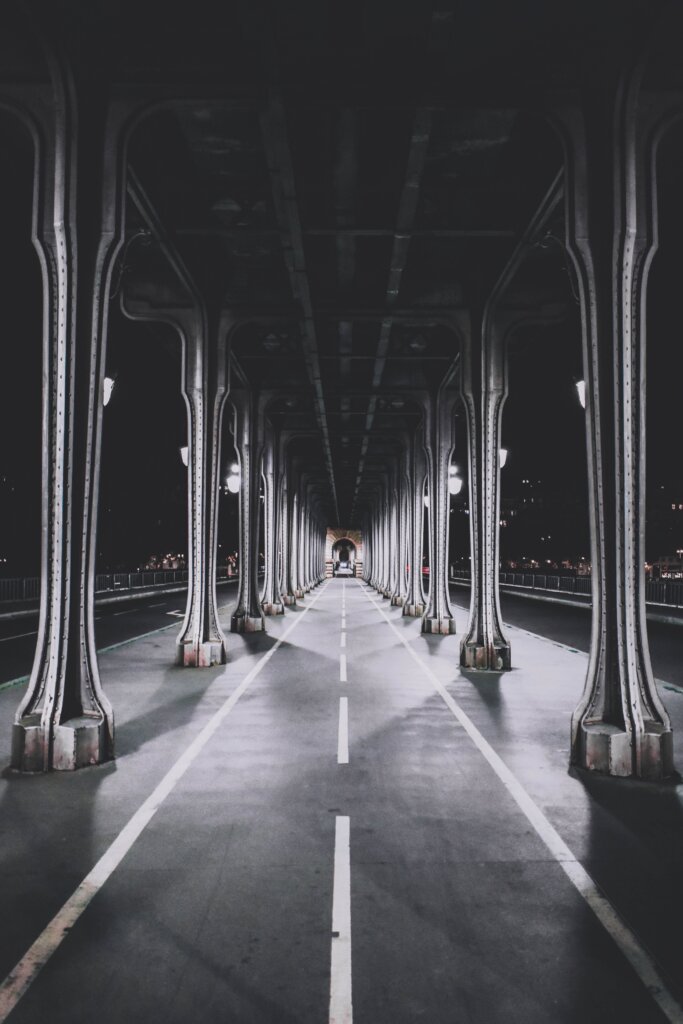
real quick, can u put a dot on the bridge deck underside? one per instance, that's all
(222, 907)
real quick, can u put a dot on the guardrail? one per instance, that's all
(29, 589)
(669, 592)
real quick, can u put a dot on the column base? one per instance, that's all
(415, 611)
(443, 626)
(247, 624)
(203, 655)
(289, 600)
(273, 608)
(606, 748)
(77, 743)
(485, 657)
(397, 600)
(299, 595)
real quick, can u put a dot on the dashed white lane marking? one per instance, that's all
(342, 640)
(341, 1006)
(18, 636)
(22, 976)
(343, 732)
(342, 668)
(641, 961)
(159, 604)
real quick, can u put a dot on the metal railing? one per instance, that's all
(668, 592)
(29, 589)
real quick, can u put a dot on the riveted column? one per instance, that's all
(620, 726)
(483, 390)
(415, 601)
(272, 603)
(400, 590)
(65, 720)
(248, 615)
(285, 498)
(440, 417)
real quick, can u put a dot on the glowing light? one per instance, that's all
(107, 389)
(233, 483)
(581, 392)
(454, 485)
(184, 454)
(503, 456)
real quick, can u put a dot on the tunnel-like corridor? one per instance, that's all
(334, 685)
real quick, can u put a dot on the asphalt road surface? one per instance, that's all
(121, 622)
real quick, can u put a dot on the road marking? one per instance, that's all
(159, 604)
(22, 976)
(177, 614)
(127, 611)
(341, 1007)
(641, 961)
(343, 733)
(342, 668)
(342, 641)
(18, 636)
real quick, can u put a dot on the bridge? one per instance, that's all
(330, 784)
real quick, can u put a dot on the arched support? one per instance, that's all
(620, 726)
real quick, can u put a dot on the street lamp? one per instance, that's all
(107, 389)
(503, 456)
(184, 454)
(234, 479)
(454, 481)
(581, 392)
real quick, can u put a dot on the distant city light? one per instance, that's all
(184, 454)
(107, 390)
(503, 454)
(581, 392)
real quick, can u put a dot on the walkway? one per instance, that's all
(455, 900)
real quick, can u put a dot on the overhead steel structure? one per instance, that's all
(346, 216)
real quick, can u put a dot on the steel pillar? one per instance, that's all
(620, 726)
(483, 389)
(440, 418)
(271, 603)
(65, 720)
(248, 615)
(415, 601)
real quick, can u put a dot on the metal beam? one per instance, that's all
(278, 156)
(407, 208)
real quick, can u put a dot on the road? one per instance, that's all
(114, 624)
(124, 621)
(337, 826)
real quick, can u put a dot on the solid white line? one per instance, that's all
(342, 642)
(343, 734)
(18, 636)
(21, 977)
(341, 1007)
(342, 668)
(641, 961)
